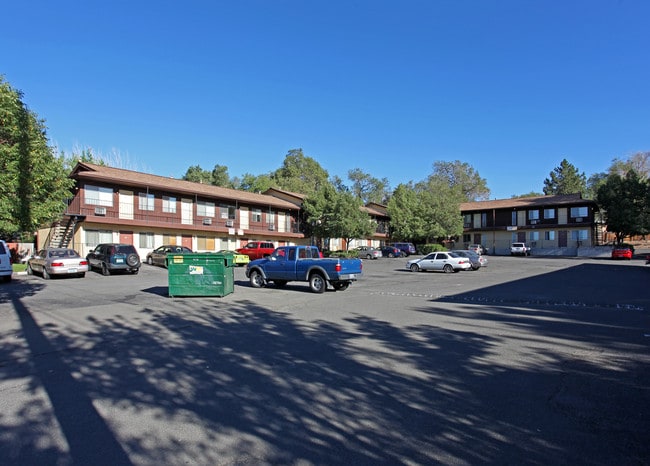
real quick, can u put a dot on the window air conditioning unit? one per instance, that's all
(578, 219)
(271, 227)
(229, 223)
(100, 210)
(207, 221)
(534, 222)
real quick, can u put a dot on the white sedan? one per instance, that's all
(439, 261)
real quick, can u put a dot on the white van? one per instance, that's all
(5, 262)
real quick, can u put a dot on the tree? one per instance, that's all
(367, 188)
(624, 202)
(565, 179)
(34, 184)
(530, 194)
(406, 216)
(335, 214)
(254, 184)
(462, 175)
(300, 174)
(440, 208)
(220, 176)
(639, 162)
(198, 175)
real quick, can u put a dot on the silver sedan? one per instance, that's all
(439, 261)
(57, 261)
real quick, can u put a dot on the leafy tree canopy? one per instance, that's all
(300, 174)
(639, 162)
(462, 176)
(367, 188)
(33, 180)
(565, 179)
(624, 203)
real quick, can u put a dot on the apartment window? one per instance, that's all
(579, 212)
(169, 204)
(95, 237)
(96, 195)
(270, 217)
(146, 240)
(549, 235)
(483, 220)
(549, 213)
(145, 201)
(533, 215)
(513, 221)
(256, 215)
(168, 239)
(579, 235)
(534, 235)
(467, 220)
(205, 209)
(227, 211)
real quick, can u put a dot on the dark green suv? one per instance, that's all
(111, 257)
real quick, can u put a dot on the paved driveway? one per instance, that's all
(528, 361)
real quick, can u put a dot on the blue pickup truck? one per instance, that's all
(303, 263)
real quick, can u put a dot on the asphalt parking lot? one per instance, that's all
(528, 361)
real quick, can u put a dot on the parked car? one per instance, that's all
(159, 255)
(369, 252)
(238, 259)
(257, 249)
(477, 248)
(111, 257)
(6, 269)
(57, 261)
(391, 251)
(439, 261)
(622, 252)
(477, 260)
(519, 249)
(406, 248)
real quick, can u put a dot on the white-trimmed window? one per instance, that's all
(549, 235)
(146, 240)
(205, 209)
(96, 195)
(579, 235)
(533, 215)
(95, 237)
(256, 215)
(579, 212)
(169, 204)
(534, 235)
(227, 211)
(145, 201)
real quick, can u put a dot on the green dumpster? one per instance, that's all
(200, 274)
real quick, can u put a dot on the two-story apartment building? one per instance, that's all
(118, 205)
(548, 224)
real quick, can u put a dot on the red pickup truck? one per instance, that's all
(257, 249)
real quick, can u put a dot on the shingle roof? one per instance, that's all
(122, 177)
(523, 202)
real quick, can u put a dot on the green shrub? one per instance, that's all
(425, 249)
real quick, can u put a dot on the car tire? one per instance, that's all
(149, 260)
(415, 268)
(390, 254)
(447, 268)
(368, 257)
(29, 270)
(105, 270)
(256, 279)
(46, 275)
(341, 286)
(317, 283)
(132, 260)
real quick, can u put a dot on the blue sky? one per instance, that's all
(510, 87)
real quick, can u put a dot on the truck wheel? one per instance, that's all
(256, 279)
(317, 283)
(280, 283)
(341, 286)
